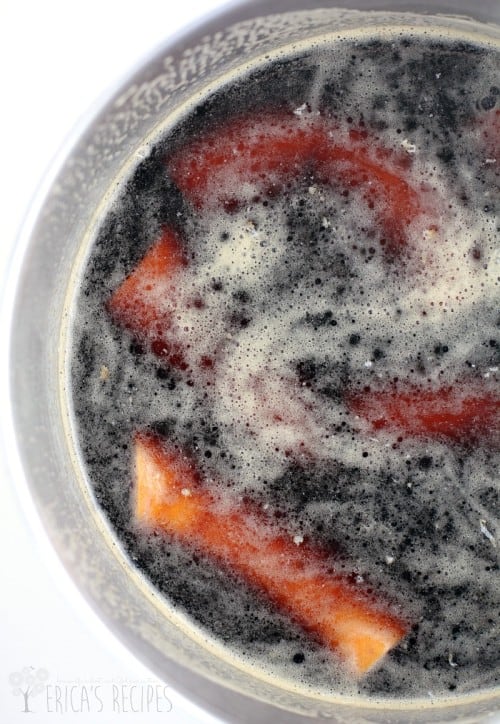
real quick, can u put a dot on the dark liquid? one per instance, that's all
(298, 284)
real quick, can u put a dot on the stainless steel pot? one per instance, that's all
(37, 428)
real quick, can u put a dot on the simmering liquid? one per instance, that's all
(321, 344)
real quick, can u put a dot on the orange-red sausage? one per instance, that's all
(169, 496)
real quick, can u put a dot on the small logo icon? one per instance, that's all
(28, 682)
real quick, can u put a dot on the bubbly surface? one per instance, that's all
(296, 301)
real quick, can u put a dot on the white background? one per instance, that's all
(56, 59)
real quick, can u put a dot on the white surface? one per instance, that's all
(57, 57)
